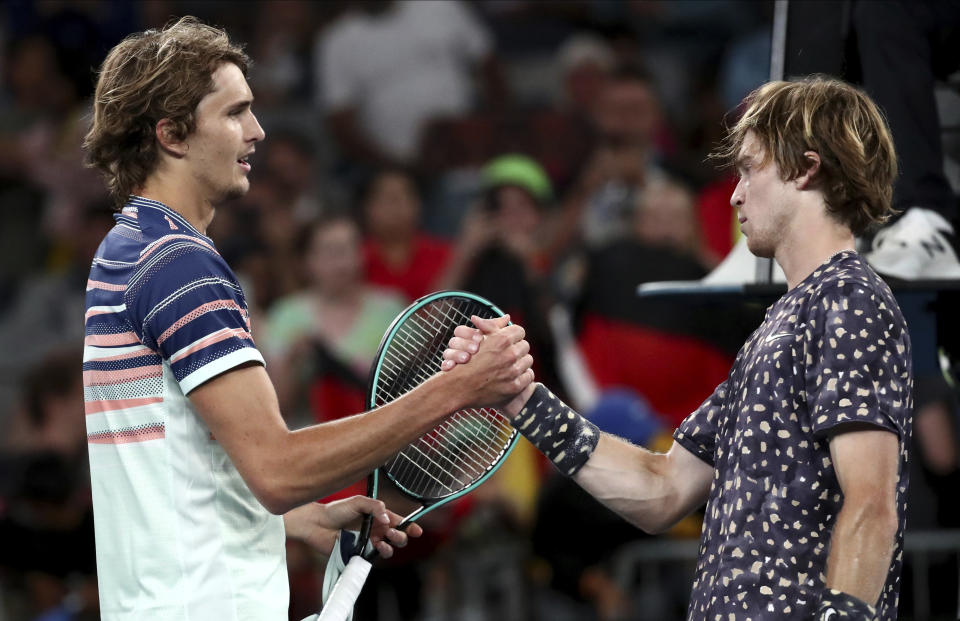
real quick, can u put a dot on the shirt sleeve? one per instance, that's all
(187, 306)
(857, 361)
(698, 432)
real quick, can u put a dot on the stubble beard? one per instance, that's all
(760, 245)
(237, 190)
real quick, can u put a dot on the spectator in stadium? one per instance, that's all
(39, 318)
(321, 340)
(265, 223)
(386, 68)
(261, 229)
(599, 206)
(46, 521)
(281, 43)
(665, 216)
(397, 254)
(802, 453)
(509, 232)
(563, 136)
(196, 478)
(46, 148)
(48, 419)
(677, 358)
(291, 164)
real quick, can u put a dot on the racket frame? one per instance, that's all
(373, 481)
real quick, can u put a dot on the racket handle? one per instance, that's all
(345, 593)
(373, 554)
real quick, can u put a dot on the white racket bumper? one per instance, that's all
(344, 595)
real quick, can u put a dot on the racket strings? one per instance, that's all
(463, 458)
(473, 452)
(466, 445)
(485, 448)
(473, 448)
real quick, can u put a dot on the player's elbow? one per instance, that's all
(873, 514)
(278, 506)
(886, 522)
(658, 515)
(273, 491)
(658, 523)
(273, 498)
(654, 528)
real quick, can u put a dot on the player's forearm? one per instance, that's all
(634, 483)
(861, 546)
(316, 461)
(650, 490)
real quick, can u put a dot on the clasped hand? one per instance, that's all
(468, 342)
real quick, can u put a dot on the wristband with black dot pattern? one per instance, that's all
(565, 437)
(836, 605)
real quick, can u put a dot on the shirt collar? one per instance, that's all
(154, 213)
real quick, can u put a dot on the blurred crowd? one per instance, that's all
(549, 156)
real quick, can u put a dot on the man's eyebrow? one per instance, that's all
(241, 105)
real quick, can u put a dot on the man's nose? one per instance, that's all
(736, 199)
(258, 134)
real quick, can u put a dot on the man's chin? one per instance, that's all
(238, 191)
(758, 249)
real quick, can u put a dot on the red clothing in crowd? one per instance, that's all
(418, 277)
(717, 216)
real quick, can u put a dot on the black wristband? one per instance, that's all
(561, 434)
(836, 605)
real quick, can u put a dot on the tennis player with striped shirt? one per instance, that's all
(801, 454)
(191, 462)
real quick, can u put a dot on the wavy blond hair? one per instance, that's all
(839, 122)
(149, 76)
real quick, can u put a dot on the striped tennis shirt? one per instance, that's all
(179, 534)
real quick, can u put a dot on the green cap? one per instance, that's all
(521, 171)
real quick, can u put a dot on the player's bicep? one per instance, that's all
(690, 477)
(866, 461)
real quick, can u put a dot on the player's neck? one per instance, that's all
(809, 245)
(181, 196)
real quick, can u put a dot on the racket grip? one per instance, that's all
(345, 593)
(373, 554)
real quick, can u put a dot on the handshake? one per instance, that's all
(501, 367)
(561, 434)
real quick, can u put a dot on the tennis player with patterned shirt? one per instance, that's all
(801, 454)
(191, 462)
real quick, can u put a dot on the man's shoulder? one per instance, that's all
(848, 277)
(174, 264)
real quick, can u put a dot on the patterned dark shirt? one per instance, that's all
(833, 350)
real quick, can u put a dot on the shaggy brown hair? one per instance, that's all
(839, 122)
(147, 77)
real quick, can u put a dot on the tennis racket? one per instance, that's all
(445, 463)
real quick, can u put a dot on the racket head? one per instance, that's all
(467, 447)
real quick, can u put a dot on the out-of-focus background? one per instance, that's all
(549, 155)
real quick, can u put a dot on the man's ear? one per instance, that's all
(813, 167)
(169, 139)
